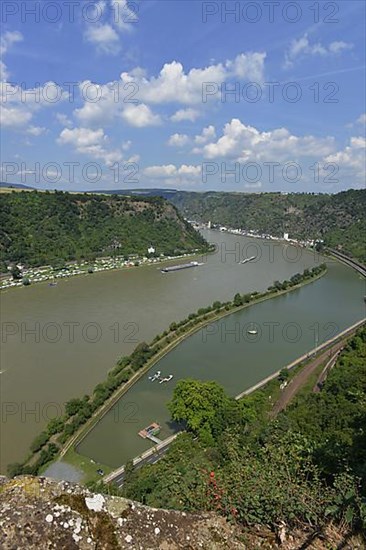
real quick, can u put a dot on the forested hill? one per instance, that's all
(39, 228)
(338, 219)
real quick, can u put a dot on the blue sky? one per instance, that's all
(134, 95)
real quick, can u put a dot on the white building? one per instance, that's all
(285, 236)
(151, 250)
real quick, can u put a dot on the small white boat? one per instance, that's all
(167, 379)
(248, 259)
(155, 376)
(252, 330)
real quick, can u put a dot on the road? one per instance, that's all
(349, 261)
(150, 457)
(155, 453)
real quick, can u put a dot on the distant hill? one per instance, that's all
(339, 219)
(42, 227)
(14, 186)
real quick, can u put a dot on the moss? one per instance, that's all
(75, 502)
(29, 485)
(119, 507)
(99, 523)
(104, 532)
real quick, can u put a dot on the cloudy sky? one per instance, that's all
(245, 96)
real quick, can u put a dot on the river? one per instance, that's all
(59, 342)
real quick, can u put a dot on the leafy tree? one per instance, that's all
(284, 375)
(197, 404)
(39, 442)
(238, 300)
(73, 406)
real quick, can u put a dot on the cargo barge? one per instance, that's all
(179, 267)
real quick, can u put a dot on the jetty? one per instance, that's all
(151, 432)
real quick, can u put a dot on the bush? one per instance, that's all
(39, 442)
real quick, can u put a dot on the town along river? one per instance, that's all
(83, 325)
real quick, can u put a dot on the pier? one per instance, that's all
(151, 432)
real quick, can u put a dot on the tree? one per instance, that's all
(284, 375)
(39, 442)
(238, 300)
(197, 404)
(73, 406)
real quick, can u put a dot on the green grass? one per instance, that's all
(85, 465)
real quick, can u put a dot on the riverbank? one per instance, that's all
(68, 450)
(295, 378)
(46, 274)
(82, 415)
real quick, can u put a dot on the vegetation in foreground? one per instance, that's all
(47, 445)
(307, 467)
(41, 228)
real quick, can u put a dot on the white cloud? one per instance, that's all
(351, 159)
(130, 97)
(340, 46)
(244, 143)
(185, 114)
(171, 171)
(14, 117)
(36, 130)
(123, 16)
(82, 138)
(208, 133)
(178, 140)
(361, 119)
(64, 120)
(18, 105)
(140, 116)
(126, 145)
(104, 37)
(90, 142)
(249, 66)
(173, 84)
(302, 47)
(106, 24)
(162, 171)
(7, 40)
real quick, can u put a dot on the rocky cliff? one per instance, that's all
(39, 513)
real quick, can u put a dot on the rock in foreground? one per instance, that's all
(39, 513)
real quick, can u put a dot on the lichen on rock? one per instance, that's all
(39, 513)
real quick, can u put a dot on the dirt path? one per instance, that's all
(300, 379)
